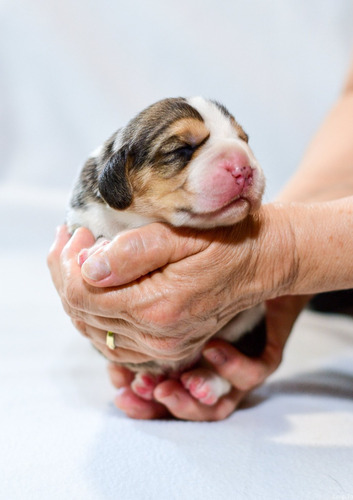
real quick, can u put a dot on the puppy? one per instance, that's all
(186, 162)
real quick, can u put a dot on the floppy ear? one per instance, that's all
(112, 182)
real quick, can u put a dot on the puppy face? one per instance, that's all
(182, 161)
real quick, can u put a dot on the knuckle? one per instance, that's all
(81, 327)
(254, 378)
(251, 377)
(73, 296)
(223, 411)
(73, 313)
(164, 316)
(66, 307)
(51, 259)
(167, 347)
(276, 356)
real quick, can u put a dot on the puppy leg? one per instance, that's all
(205, 385)
(144, 384)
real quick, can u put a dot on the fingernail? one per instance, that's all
(96, 267)
(215, 356)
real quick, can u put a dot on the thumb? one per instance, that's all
(137, 252)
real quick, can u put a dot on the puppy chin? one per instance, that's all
(236, 211)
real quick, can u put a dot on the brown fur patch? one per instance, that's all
(155, 196)
(189, 130)
(240, 131)
(154, 192)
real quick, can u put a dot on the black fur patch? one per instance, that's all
(112, 182)
(252, 344)
(87, 185)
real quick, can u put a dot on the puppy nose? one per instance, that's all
(242, 175)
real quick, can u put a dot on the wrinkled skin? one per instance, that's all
(170, 313)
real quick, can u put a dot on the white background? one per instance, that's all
(72, 72)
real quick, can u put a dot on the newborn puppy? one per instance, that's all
(186, 162)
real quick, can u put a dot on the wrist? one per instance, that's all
(279, 259)
(322, 233)
(321, 256)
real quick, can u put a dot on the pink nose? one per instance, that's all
(229, 178)
(242, 175)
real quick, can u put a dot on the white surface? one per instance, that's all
(71, 73)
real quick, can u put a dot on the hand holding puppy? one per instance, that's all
(299, 248)
(177, 307)
(200, 281)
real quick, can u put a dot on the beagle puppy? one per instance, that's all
(185, 162)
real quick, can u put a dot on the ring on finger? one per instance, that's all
(110, 340)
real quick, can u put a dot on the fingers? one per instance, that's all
(183, 406)
(65, 247)
(242, 372)
(135, 253)
(247, 373)
(81, 239)
(170, 399)
(87, 252)
(138, 408)
(120, 354)
(176, 401)
(53, 260)
(126, 351)
(77, 296)
(128, 401)
(120, 376)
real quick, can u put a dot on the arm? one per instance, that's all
(263, 258)
(326, 173)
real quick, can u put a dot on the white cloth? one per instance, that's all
(71, 73)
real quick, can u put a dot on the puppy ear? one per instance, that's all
(112, 182)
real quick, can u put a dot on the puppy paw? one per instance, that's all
(205, 386)
(87, 252)
(144, 384)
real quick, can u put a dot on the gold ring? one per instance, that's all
(110, 340)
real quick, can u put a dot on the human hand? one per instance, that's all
(63, 262)
(170, 313)
(172, 399)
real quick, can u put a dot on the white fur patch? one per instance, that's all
(218, 124)
(223, 140)
(242, 323)
(104, 220)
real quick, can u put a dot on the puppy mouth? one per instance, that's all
(237, 206)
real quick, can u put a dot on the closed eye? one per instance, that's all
(187, 150)
(174, 155)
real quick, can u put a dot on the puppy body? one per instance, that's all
(186, 162)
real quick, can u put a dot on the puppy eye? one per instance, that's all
(186, 151)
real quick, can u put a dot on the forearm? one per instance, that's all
(316, 231)
(325, 246)
(316, 239)
(326, 171)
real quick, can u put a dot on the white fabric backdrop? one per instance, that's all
(70, 74)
